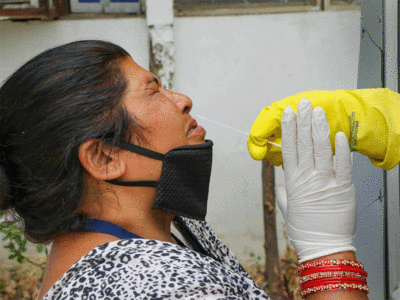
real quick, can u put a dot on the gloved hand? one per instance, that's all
(370, 119)
(320, 205)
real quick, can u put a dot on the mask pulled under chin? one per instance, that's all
(185, 178)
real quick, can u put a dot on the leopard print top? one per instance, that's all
(150, 269)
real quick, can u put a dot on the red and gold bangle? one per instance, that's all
(332, 274)
(336, 274)
(330, 262)
(326, 281)
(335, 286)
(318, 270)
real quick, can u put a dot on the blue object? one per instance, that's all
(89, 1)
(108, 228)
(124, 1)
(115, 230)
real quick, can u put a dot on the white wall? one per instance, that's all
(231, 67)
(20, 41)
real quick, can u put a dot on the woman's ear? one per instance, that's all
(100, 160)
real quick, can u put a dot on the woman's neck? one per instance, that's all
(129, 208)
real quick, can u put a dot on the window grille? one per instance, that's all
(218, 7)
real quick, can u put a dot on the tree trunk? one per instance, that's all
(272, 270)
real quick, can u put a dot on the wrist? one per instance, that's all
(350, 255)
(333, 276)
(335, 252)
(311, 245)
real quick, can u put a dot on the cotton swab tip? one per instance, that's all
(275, 144)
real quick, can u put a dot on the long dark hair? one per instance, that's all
(48, 108)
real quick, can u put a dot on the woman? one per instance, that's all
(125, 222)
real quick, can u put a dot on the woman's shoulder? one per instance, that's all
(66, 250)
(143, 269)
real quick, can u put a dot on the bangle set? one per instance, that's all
(333, 269)
(332, 274)
(321, 275)
(330, 262)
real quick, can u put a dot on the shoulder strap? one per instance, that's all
(108, 228)
(188, 234)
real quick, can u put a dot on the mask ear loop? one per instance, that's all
(142, 151)
(134, 183)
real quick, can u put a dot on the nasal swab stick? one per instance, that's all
(246, 133)
(275, 144)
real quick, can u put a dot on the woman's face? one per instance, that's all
(164, 113)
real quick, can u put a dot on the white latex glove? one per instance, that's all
(320, 206)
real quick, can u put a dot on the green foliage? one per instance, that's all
(256, 262)
(15, 242)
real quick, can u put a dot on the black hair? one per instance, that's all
(48, 108)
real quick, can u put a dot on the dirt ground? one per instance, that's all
(19, 282)
(289, 283)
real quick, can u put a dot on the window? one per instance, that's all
(229, 7)
(33, 9)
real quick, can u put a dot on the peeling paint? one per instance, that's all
(162, 53)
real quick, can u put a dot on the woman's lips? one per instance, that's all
(195, 129)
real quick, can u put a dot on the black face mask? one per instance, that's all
(184, 181)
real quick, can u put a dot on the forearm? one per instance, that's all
(339, 294)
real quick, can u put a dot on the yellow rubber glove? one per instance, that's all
(370, 119)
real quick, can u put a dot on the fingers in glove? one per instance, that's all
(281, 199)
(343, 159)
(266, 124)
(322, 144)
(304, 139)
(289, 140)
(258, 148)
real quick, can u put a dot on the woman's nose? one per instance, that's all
(184, 103)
